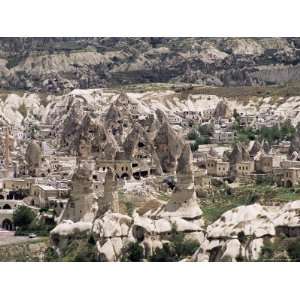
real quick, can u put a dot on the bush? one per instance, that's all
(79, 251)
(192, 135)
(165, 254)
(206, 130)
(23, 217)
(252, 198)
(177, 249)
(23, 110)
(293, 250)
(133, 252)
(265, 180)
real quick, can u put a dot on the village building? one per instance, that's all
(266, 163)
(246, 119)
(41, 194)
(207, 114)
(244, 168)
(223, 137)
(174, 119)
(217, 167)
(291, 177)
(201, 180)
(284, 147)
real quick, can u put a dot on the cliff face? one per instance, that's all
(59, 64)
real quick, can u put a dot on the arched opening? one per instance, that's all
(7, 224)
(6, 206)
(125, 176)
(288, 184)
(17, 195)
(32, 202)
(1, 197)
(137, 175)
(144, 173)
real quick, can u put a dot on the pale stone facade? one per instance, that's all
(217, 167)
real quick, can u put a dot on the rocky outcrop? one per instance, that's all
(240, 233)
(112, 233)
(222, 110)
(237, 235)
(67, 230)
(33, 157)
(109, 201)
(83, 201)
(255, 148)
(168, 146)
(239, 153)
(287, 221)
(183, 202)
(62, 64)
(137, 143)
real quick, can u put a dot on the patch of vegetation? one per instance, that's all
(79, 250)
(133, 252)
(244, 93)
(129, 207)
(215, 205)
(200, 135)
(23, 110)
(26, 223)
(285, 131)
(177, 249)
(13, 61)
(281, 249)
(23, 216)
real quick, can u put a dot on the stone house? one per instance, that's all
(217, 167)
(223, 137)
(267, 163)
(42, 193)
(291, 177)
(284, 147)
(244, 168)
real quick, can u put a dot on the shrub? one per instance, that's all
(268, 250)
(252, 198)
(133, 252)
(265, 180)
(293, 250)
(192, 135)
(23, 110)
(165, 254)
(177, 249)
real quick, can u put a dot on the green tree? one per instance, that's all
(23, 216)
(192, 135)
